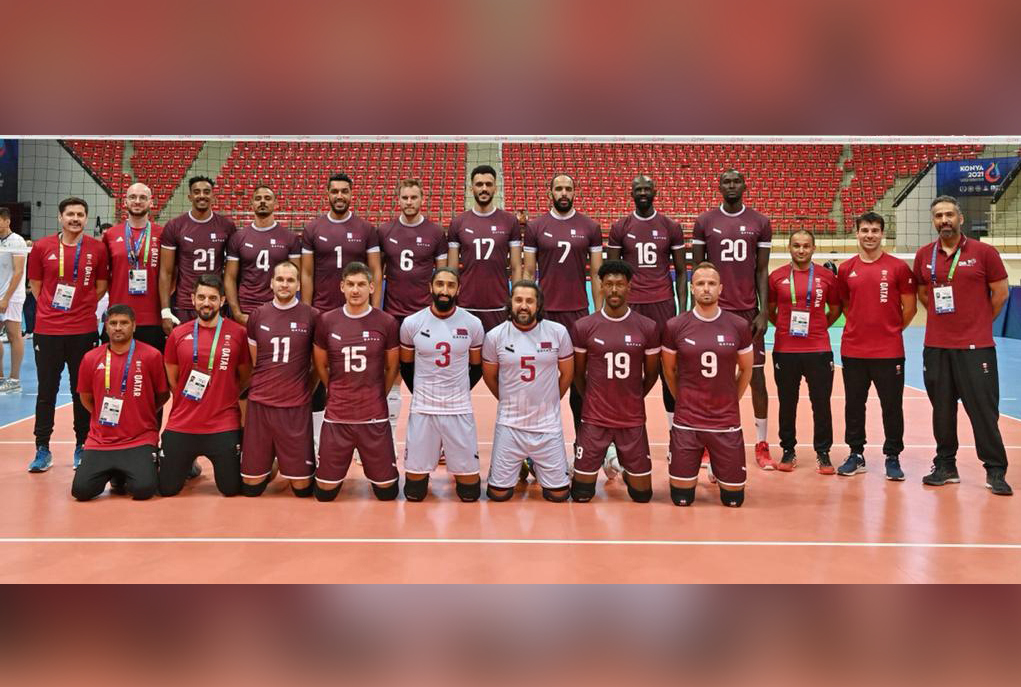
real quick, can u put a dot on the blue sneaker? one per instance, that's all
(43, 460)
(854, 465)
(79, 451)
(893, 469)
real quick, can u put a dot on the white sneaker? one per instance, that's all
(611, 464)
(10, 386)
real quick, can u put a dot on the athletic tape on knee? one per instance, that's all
(733, 499)
(468, 492)
(582, 492)
(388, 493)
(325, 494)
(682, 497)
(416, 489)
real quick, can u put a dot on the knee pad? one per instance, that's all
(493, 496)
(303, 492)
(388, 493)
(254, 489)
(639, 496)
(582, 492)
(468, 492)
(682, 497)
(416, 489)
(325, 494)
(549, 495)
(734, 499)
(143, 495)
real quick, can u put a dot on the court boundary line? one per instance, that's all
(516, 542)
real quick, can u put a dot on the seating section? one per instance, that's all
(103, 159)
(297, 172)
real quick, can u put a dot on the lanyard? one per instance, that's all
(811, 283)
(127, 367)
(195, 344)
(133, 247)
(77, 254)
(953, 265)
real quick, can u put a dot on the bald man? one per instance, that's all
(134, 249)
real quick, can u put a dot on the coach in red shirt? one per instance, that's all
(122, 384)
(68, 274)
(803, 303)
(963, 284)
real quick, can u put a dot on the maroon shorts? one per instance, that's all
(490, 318)
(375, 445)
(759, 342)
(283, 433)
(726, 454)
(659, 312)
(632, 449)
(566, 317)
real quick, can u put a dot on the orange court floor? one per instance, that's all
(794, 527)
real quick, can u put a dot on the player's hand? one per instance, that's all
(522, 217)
(168, 325)
(3, 305)
(241, 318)
(760, 324)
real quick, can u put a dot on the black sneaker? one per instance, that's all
(893, 469)
(118, 485)
(941, 474)
(825, 467)
(998, 485)
(195, 470)
(788, 462)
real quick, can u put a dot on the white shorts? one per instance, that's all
(453, 434)
(13, 312)
(511, 446)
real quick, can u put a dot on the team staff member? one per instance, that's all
(707, 354)
(123, 384)
(803, 302)
(963, 285)
(134, 250)
(68, 272)
(878, 295)
(208, 364)
(483, 241)
(616, 363)
(279, 419)
(192, 244)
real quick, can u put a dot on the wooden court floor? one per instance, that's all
(797, 527)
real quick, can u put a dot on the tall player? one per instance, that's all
(737, 240)
(878, 293)
(707, 356)
(528, 364)
(192, 244)
(328, 244)
(491, 239)
(441, 360)
(559, 244)
(413, 247)
(279, 419)
(616, 363)
(356, 357)
(251, 254)
(649, 241)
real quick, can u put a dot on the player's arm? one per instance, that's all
(17, 277)
(376, 298)
(407, 358)
(230, 287)
(580, 366)
(668, 359)
(528, 265)
(565, 366)
(474, 366)
(161, 398)
(253, 350)
(998, 293)
(762, 289)
(87, 401)
(454, 256)
(491, 375)
(36, 286)
(391, 368)
(515, 263)
(652, 363)
(244, 375)
(101, 286)
(697, 253)
(375, 263)
(172, 370)
(772, 310)
(680, 278)
(308, 265)
(321, 363)
(613, 252)
(833, 311)
(908, 308)
(166, 285)
(744, 370)
(923, 294)
(595, 262)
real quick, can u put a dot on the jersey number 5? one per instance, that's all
(527, 368)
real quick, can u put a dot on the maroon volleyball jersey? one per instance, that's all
(562, 246)
(484, 243)
(256, 251)
(614, 365)
(732, 243)
(333, 244)
(283, 338)
(356, 347)
(409, 260)
(647, 244)
(706, 382)
(200, 247)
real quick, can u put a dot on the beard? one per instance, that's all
(563, 205)
(524, 317)
(443, 303)
(210, 315)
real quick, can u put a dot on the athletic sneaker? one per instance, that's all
(824, 467)
(611, 464)
(195, 470)
(526, 470)
(709, 472)
(762, 456)
(10, 386)
(941, 474)
(893, 471)
(43, 460)
(705, 459)
(854, 465)
(118, 484)
(79, 453)
(998, 485)
(788, 462)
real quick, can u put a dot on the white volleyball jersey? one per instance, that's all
(441, 346)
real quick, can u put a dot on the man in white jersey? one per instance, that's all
(528, 364)
(13, 252)
(441, 359)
